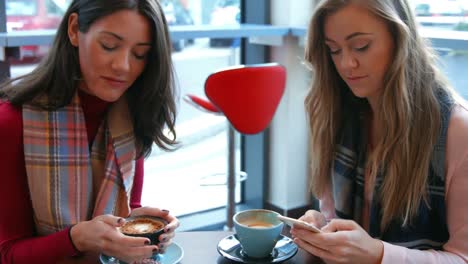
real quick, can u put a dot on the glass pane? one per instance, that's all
(225, 12)
(454, 64)
(449, 16)
(194, 175)
(33, 15)
(21, 8)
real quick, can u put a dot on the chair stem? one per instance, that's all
(231, 178)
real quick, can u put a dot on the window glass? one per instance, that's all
(191, 178)
(225, 12)
(56, 7)
(34, 14)
(451, 17)
(21, 8)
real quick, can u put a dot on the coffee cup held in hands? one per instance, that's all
(144, 226)
(258, 231)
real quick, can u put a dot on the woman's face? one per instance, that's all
(361, 48)
(113, 53)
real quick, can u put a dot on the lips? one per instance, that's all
(355, 78)
(110, 79)
(115, 83)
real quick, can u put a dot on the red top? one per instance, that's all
(18, 241)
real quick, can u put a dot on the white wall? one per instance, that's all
(289, 140)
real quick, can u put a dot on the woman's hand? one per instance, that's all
(100, 235)
(166, 238)
(341, 241)
(315, 218)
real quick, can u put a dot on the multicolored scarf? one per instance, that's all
(67, 183)
(429, 228)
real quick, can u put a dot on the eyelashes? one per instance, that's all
(140, 57)
(333, 52)
(107, 48)
(112, 48)
(359, 49)
(363, 48)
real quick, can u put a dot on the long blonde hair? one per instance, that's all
(409, 111)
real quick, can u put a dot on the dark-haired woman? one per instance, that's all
(74, 133)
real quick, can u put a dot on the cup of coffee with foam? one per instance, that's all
(144, 226)
(257, 230)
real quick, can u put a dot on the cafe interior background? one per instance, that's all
(207, 36)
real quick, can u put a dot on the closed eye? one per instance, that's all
(140, 57)
(334, 52)
(108, 47)
(363, 48)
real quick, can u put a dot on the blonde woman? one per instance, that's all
(389, 141)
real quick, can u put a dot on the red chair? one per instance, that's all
(248, 96)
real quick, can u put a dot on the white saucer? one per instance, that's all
(230, 248)
(174, 253)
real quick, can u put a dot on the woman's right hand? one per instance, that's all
(100, 235)
(315, 218)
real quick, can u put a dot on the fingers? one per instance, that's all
(340, 225)
(166, 237)
(163, 213)
(314, 250)
(129, 248)
(163, 246)
(101, 234)
(337, 234)
(110, 220)
(165, 240)
(320, 240)
(130, 241)
(172, 226)
(114, 236)
(314, 217)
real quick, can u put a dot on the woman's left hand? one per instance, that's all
(341, 241)
(173, 223)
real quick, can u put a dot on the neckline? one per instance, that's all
(92, 105)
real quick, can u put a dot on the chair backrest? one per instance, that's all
(247, 95)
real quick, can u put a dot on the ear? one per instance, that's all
(73, 29)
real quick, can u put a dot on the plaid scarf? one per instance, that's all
(348, 184)
(67, 183)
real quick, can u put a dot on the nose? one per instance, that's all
(348, 60)
(121, 62)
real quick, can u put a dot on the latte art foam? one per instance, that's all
(141, 226)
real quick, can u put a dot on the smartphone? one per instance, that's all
(291, 222)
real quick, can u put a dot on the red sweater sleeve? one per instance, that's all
(18, 241)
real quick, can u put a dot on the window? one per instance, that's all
(21, 8)
(57, 7)
(448, 17)
(34, 14)
(194, 175)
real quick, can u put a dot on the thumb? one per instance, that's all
(111, 220)
(339, 225)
